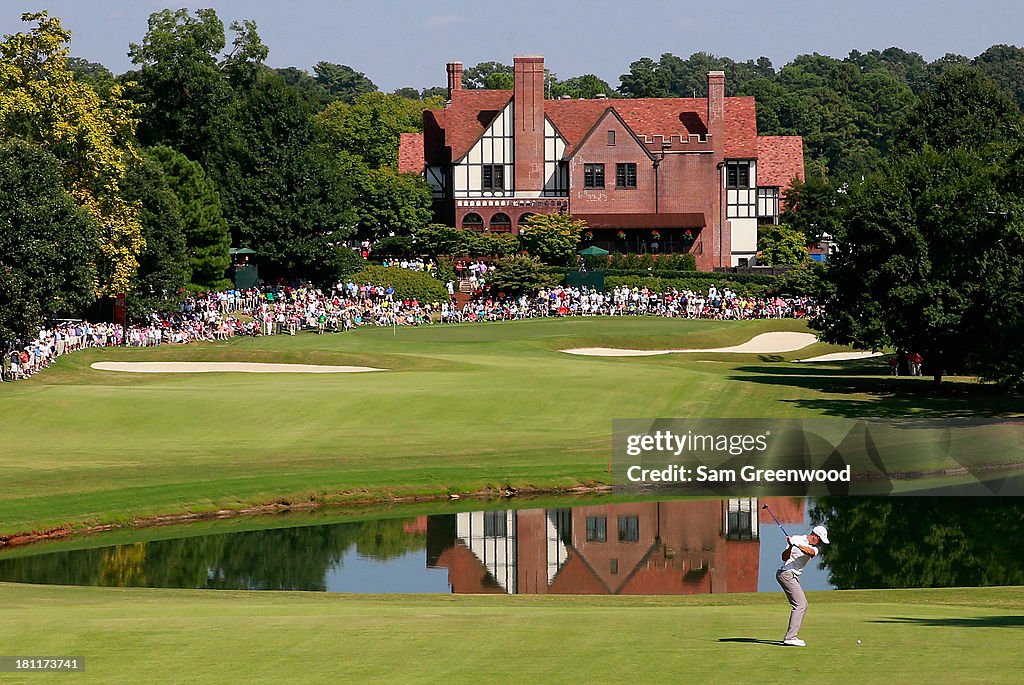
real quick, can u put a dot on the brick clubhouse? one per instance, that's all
(646, 174)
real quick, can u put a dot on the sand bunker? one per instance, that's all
(842, 357)
(766, 343)
(221, 367)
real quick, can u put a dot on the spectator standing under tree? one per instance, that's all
(915, 359)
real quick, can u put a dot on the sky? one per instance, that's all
(407, 43)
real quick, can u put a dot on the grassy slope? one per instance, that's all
(464, 407)
(913, 636)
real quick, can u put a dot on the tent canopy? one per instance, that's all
(593, 251)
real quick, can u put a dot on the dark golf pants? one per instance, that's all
(790, 583)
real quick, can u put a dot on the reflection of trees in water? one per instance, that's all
(279, 559)
(899, 542)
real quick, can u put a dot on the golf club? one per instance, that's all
(765, 506)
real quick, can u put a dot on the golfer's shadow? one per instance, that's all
(752, 640)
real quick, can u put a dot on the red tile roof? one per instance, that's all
(410, 153)
(469, 115)
(645, 116)
(740, 128)
(461, 123)
(434, 151)
(779, 160)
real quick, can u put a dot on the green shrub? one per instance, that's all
(552, 238)
(698, 282)
(394, 246)
(521, 274)
(438, 240)
(445, 269)
(805, 279)
(412, 284)
(485, 244)
(640, 265)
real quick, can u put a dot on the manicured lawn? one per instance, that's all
(462, 408)
(128, 636)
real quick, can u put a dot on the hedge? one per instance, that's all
(697, 282)
(407, 283)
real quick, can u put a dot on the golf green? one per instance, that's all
(460, 409)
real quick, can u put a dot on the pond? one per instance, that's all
(665, 547)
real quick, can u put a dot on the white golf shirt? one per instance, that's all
(797, 558)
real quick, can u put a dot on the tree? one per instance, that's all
(780, 245)
(94, 74)
(587, 86)
(944, 541)
(552, 238)
(300, 79)
(905, 67)
(644, 80)
(43, 103)
(1000, 356)
(180, 83)
(370, 127)
(285, 194)
(672, 76)
(1004, 65)
(343, 82)
(164, 266)
(882, 103)
(803, 279)
(520, 274)
(205, 229)
(922, 247)
(493, 75)
(813, 207)
(390, 203)
(964, 109)
(48, 243)
(244, 62)
(434, 92)
(437, 240)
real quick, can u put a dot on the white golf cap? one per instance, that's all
(822, 533)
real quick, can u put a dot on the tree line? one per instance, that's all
(141, 182)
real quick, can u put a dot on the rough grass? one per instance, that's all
(128, 636)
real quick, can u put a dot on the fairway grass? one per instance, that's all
(958, 636)
(463, 408)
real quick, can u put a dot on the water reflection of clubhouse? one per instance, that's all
(640, 548)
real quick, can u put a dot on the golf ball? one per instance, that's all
(858, 642)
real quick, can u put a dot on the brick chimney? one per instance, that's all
(720, 232)
(528, 105)
(716, 108)
(454, 77)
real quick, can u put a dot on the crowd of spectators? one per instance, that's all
(290, 310)
(623, 301)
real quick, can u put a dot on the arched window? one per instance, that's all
(472, 220)
(524, 218)
(500, 222)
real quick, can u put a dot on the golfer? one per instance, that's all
(800, 550)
